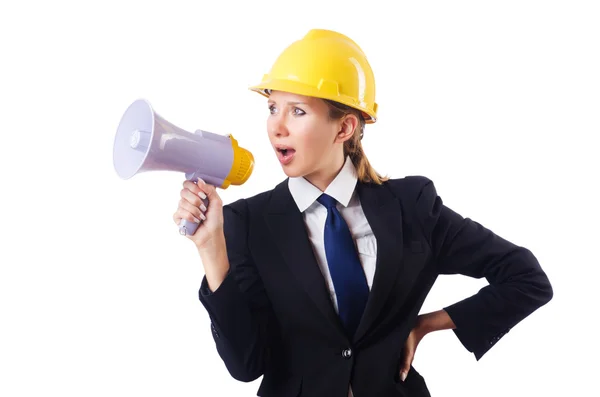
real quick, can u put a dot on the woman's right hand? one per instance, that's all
(192, 209)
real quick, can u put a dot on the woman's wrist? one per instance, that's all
(435, 321)
(213, 244)
(213, 254)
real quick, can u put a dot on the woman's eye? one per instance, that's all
(272, 109)
(298, 112)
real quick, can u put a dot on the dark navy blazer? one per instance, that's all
(273, 315)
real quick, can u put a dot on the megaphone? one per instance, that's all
(147, 142)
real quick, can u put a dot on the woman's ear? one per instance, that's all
(347, 127)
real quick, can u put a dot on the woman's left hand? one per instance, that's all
(410, 347)
(426, 323)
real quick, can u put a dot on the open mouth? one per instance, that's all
(285, 154)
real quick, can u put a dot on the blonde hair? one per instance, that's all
(353, 146)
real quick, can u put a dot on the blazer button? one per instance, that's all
(347, 353)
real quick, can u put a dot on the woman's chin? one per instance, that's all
(291, 171)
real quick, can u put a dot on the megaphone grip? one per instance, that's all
(187, 228)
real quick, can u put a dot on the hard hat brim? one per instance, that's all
(326, 91)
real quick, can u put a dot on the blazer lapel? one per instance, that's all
(384, 214)
(286, 224)
(383, 211)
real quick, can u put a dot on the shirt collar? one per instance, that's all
(341, 188)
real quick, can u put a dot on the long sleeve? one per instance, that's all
(239, 309)
(517, 285)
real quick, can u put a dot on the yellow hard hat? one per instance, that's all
(324, 64)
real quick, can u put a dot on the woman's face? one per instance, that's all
(306, 141)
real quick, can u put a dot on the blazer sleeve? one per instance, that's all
(239, 309)
(517, 285)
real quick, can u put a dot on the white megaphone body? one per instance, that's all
(146, 142)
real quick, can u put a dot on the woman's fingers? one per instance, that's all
(197, 212)
(194, 199)
(410, 347)
(209, 190)
(200, 203)
(183, 214)
(194, 188)
(213, 200)
(407, 359)
(202, 190)
(408, 353)
(189, 212)
(191, 207)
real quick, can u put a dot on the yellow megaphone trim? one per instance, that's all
(241, 167)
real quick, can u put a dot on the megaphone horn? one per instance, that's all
(147, 142)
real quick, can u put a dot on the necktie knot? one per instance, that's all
(327, 201)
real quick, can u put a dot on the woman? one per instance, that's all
(317, 284)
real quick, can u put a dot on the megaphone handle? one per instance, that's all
(189, 228)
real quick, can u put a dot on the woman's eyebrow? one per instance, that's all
(296, 103)
(290, 103)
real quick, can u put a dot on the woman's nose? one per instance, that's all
(277, 126)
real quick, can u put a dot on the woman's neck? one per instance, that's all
(324, 176)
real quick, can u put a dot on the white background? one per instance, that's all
(496, 102)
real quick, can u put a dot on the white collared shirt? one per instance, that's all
(342, 188)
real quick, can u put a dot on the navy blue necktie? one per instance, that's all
(348, 276)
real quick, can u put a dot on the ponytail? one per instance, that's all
(353, 146)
